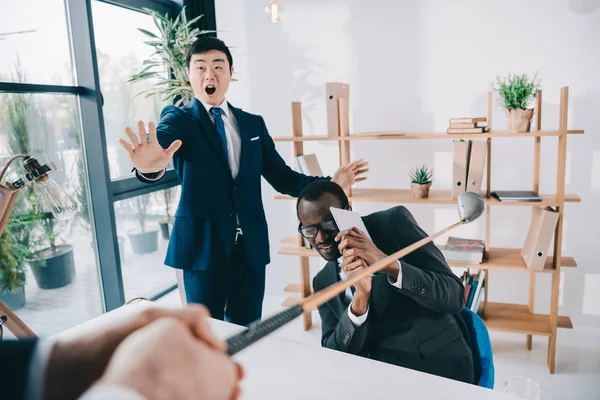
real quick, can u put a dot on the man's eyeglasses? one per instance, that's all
(313, 230)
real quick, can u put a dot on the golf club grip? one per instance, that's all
(259, 330)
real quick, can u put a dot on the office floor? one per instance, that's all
(578, 355)
(48, 311)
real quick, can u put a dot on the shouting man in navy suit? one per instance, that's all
(219, 152)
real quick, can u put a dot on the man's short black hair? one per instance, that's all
(314, 191)
(207, 43)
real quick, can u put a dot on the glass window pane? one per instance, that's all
(121, 51)
(34, 35)
(143, 225)
(46, 272)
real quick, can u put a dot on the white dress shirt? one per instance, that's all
(359, 320)
(232, 133)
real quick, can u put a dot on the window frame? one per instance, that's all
(103, 192)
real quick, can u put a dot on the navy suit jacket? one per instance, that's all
(205, 221)
(14, 368)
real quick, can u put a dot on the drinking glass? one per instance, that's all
(522, 388)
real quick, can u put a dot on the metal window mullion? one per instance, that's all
(19, 87)
(131, 187)
(163, 6)
(94, 145)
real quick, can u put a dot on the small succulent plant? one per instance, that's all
(421, 175)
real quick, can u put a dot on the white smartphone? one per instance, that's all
(346, 219)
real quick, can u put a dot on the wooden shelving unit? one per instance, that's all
(437, 197)
(496, 259)
(515, 318)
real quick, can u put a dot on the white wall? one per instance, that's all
(411, 65)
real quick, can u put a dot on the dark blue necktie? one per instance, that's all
(218, 114)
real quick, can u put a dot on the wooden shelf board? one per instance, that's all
(425, 135)
(291, 301)
(516, 318)
(547, 200)
(290, 240)
(294, 288)
(304, 138)
(298, 251)
(510, 259)
(498, 259)
(437, 197)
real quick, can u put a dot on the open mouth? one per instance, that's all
(327, 247)
(210, 90)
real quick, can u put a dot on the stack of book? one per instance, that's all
(474, 284)
(516, 195)
(468, 251)
(468, 125)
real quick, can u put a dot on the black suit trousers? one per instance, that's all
(234, 292)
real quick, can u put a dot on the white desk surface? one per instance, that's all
(279, 368)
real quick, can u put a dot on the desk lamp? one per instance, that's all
(63, 207)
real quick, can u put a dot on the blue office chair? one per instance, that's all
(481, 347)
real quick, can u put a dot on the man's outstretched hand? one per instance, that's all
(146, 153)
(350, 173)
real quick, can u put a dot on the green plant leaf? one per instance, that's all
(148, 33)
(516, 91)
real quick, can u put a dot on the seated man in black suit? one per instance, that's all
(407, 314)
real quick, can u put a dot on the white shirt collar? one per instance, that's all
(224, 106)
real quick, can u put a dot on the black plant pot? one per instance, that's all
(165, 229)
(121, 241)
(14, 300)
(53, 269)
(143, 242)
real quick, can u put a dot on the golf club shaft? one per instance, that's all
(313, 301)
(261, 329)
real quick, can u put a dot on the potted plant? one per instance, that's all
(421, 178)
(142, 240)
(32, 229)
(166, 221)
(52, 264)
(12, 271)
(170, 50)
(515, 94)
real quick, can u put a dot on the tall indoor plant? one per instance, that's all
(31, 228)
(170, 50)
(166, 220)
(12, 271)
(515, 94)
(53, 265)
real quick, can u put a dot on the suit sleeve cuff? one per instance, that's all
(357, 321)
(154, 176)
(398, 283)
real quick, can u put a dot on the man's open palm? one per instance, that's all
(146, 153)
